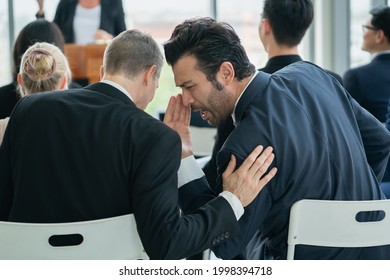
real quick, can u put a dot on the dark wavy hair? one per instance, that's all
(211, 43)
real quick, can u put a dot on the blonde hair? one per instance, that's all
(42, 67)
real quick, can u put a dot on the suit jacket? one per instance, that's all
(8, 99)
(89, 153)
(370, 85)
(112, 17)
(226, 127)
(326, 147)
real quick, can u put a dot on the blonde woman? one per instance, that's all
(43, 67)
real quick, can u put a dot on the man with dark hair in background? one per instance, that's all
(370, 84)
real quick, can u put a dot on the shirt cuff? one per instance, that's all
(189, 171)
(234, 202)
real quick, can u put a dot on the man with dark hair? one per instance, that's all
(370, 84)
(282, 27)
(326, 146)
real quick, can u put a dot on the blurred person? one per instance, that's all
(43, 67)
(326, 146)
(88, 21)
(36, 31)
(281, 30)
(370, 84)
(93, 153)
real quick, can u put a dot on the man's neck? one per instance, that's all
(278, 50)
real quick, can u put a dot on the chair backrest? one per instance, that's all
(111, 238)
(337, 224)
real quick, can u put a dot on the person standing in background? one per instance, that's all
(88, 21)
(370, 84)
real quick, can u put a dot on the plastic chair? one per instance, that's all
(111, 238)
(333, 223)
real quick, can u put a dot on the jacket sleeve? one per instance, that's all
(164, 232)
(375, 137)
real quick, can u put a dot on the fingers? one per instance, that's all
(178, 112)
(230, 168)
(187, 116)
(263, 181)
(262, 163)
(170, 109)
(248, 162)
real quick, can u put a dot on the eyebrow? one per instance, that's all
(185, 83)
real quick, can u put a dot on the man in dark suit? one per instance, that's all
(92, 153)
(326, 145)
(370, 84)
(283, 25)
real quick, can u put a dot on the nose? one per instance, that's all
(187, 98)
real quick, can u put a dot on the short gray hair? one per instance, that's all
(132, 52)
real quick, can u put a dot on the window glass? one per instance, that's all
(5, 56)
(359, 15)
(24, 12)
(245, 16)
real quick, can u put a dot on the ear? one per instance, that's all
(380, 36)
(101, 72)
(64, 82)
(149, 75)
(266, 25)
(226, 73)
(19, 79)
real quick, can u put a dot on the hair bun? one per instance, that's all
(40, 65)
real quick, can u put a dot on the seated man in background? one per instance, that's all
(370, 84)
(92, 153)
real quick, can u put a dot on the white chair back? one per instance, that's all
(336, 224)
(111, 238)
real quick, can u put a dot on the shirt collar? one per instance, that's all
(380, 53)
(238, 99)
(117, 86)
